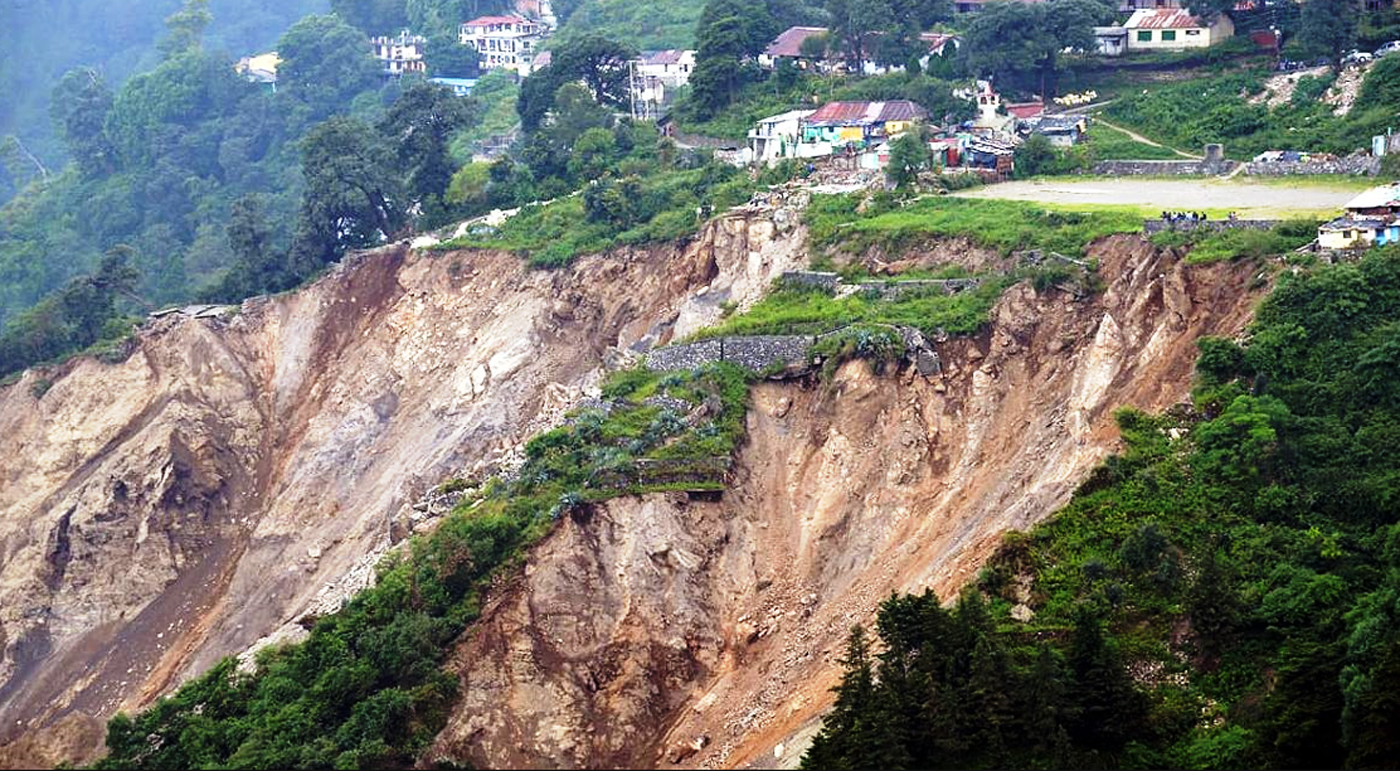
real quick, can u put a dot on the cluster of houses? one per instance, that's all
(512, 43)
(864, 129)
(1371, 219)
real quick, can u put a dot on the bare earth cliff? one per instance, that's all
(159, 514)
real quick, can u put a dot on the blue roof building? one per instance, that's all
(459, 86)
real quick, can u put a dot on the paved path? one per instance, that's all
(1254, 199)
(1136, 137)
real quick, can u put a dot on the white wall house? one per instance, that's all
(1167, 29)
(656, 78)
(504, 42)
(777, 137)
(401, 53)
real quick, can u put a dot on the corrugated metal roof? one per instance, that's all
(1025, 110)
(1164, 18)
(669, 56)
(790, 42)
(1376, 197)
(863, 113)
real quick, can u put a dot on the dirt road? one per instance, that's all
(1246, 197)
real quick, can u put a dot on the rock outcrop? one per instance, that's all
(159, 514)
(667, 631)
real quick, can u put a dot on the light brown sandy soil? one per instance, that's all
(161, 513)
(646, 628)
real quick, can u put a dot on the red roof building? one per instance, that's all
(789, 44)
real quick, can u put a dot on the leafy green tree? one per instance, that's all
(185, 28)
(600, 63)
(449, 59)
(420, 125)
(909, 155)
(718, 72)
(79, 108)
(354, 195)
(1327, 28)
(855, 23)
(325, 64)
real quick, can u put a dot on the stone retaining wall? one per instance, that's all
(1353, 165)
(1182, 168)
(754, 352)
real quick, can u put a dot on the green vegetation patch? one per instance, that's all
(1221, 595)
(805, 310)
(1240, 243)
(1108, 144)
(635, 209)
(1193, 113)
(834, 224)
(367, 688)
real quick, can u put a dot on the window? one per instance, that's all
(1168, 35)
(1191, 32)
(1144, 36)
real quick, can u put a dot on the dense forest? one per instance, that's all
(43, 39)
(1224, 594)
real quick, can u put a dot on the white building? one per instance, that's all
(656, 77)
(259, 68)
(401, 54)
(1166, 29)
(504, 42)
(777, 137)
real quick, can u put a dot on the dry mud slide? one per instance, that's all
(161, 513)
(665, 631)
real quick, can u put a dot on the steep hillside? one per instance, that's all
(662, 630)
(164, 512)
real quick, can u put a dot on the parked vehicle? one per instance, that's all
(1357, 57)
(1388, 48)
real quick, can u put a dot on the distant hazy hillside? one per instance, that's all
(42, 39)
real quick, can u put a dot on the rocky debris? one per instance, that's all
(266, 460)
(843, 492)
(1342, 95)
(1278, 89)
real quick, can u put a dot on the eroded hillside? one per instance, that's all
(161, 513)
(664, 630)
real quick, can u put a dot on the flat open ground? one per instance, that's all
(1274, 198)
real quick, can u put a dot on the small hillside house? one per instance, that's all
(260, 69)
(504, 42)
(1110, 41)
(654, 79)
(1168, 29)
(1358, 233)
(777, 137)
(1382, 201)
(459, 86)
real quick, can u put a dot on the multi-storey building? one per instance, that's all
(504, 42)
(402, 53)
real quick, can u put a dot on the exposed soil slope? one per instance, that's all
(664, 630)
(159, 514)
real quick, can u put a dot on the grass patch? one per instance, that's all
(1107, 144)
(1207, 246)
(1007, 226)
(806, 310)
(657, 207)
